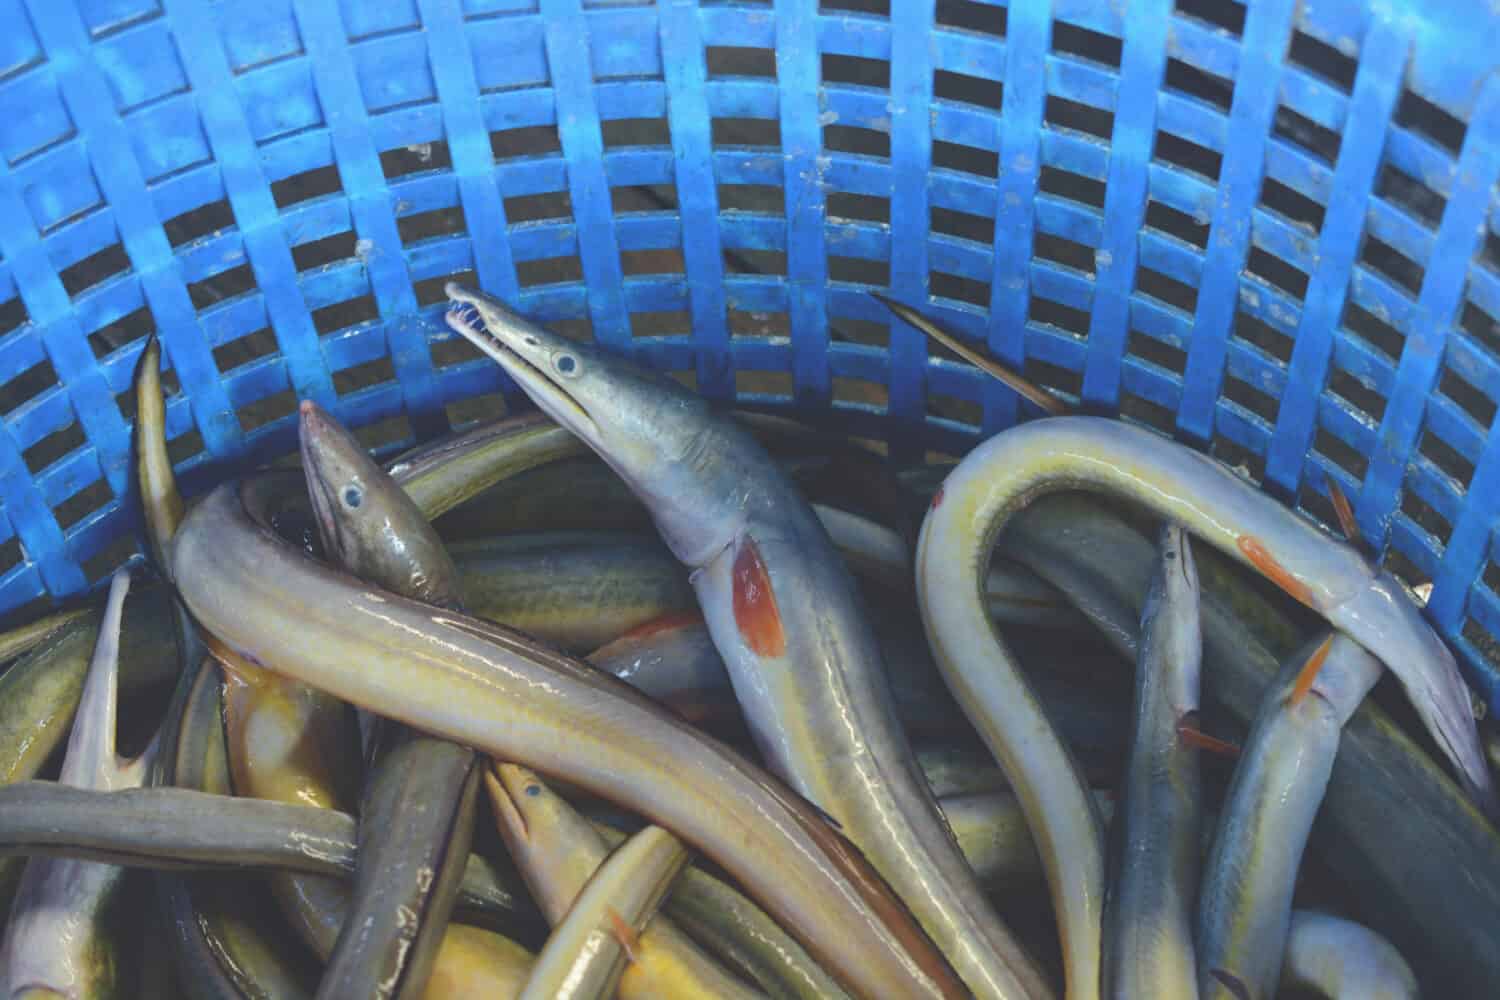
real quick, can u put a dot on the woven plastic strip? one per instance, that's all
(1267, 230)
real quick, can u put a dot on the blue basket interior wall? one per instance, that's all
(1268, 230)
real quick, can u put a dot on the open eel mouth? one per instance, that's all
(465, 318)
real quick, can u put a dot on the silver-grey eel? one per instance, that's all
(416, 817)
(1148, 914)
(517, 699)
(60, 940)
(1342, 960)
(1245, 905)
(783, 612)
(1009, 470)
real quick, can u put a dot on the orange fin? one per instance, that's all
(1261, 558)
(1309, 672)
(755, 611)
(625, 934)
(1018, 383)
(1343, 510)
(661, 623)
(1234, 984)
(1194, 737)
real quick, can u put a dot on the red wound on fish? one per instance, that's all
(755, 611)
(937, 498)
(624, 933)
(1260, 557)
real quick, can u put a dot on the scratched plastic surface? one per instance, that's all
(1268, 230)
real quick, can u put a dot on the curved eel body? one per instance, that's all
(784, 615)
(224, 955)
(417, 809)
(60, 940)
(1395, 828)
(1009, 470)
(40, 692)
(513, 698)
(1214, 504)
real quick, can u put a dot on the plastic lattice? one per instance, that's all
(1267, 230)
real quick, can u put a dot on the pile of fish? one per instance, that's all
(633, 696)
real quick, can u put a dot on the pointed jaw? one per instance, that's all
(529, 354)
(508, 815)
(341, 478)
(315, 430)
(660, 438)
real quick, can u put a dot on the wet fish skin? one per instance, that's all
(454, 676)
(183, 829)
(417, 810)
(576, 590)
(62, 936)
(1148, 915)
(25, 637)
(440, 475)
(783, 613)
(220, 953)
(741, 935)
(1394, 828)
(40, 692)
(367, 522)
(1010, 471)
(1217, 507)
(374, 530)
(559, 852)
(1245, 905)
(161, 502)
(1341, 959)
(596, 938)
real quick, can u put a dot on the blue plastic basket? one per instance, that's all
(1266, 230)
